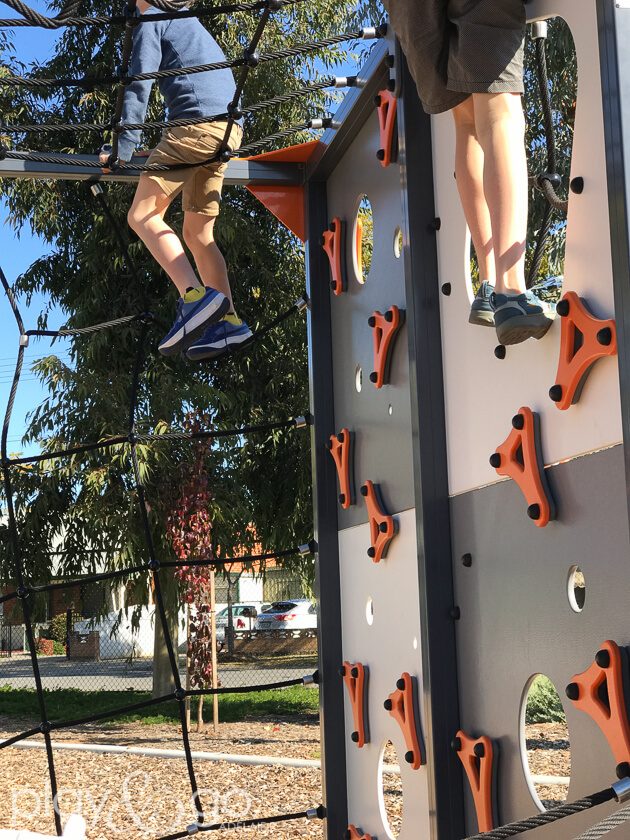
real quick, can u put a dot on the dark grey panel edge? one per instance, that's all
(441, 708)
(614, 30)
(325, 516)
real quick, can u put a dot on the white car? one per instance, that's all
(294, 614)
(243, 618)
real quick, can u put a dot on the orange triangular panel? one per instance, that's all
(301, 153)
(286, 203)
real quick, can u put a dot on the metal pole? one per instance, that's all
(213, 645)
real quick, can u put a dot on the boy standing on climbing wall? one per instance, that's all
(206, 324)
(466, 56)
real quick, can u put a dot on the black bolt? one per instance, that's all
(372, 321)
(252, 59)
(573, 691)
(436, 224)
(355, 737)
(391, 60)
(383, 527)
(45, 727)
(602, 657)
(604, 336)
(388, 705)
(555, 393)
(22, 592)
(342, 671)
(329, 445)
(341, 437)
(400, 684)
(332, 227)
(533, 511)
(456, 613)
(371, 553)
(391, 85)
(226, 156)
(355, 672)
(446, 289)
(383, 29)
(374, 377)
(377, 101)
(518, 422)
(479, 750)
(180, 694)
(623, 770)
(456, 744)
(577, 185)
(380, 155)
(364, 490)
(389, 316)
(333, 285)
(500, 352)
(563, 308)
(342, 498)
(154, 564)
(409, 757)
(495, 460)
(467, 560)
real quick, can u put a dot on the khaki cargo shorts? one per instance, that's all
(458, 47)
(200, 186)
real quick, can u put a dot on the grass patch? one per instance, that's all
(70, 704)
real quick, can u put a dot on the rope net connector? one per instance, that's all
(24, 340)
(540, 29)
(301, 304)
(622, 790)
(301, 422)
(305, 549)
(309, 679)
(346, 81)
(192, 829)
(316, 813)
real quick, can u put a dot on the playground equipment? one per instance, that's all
(442, 590)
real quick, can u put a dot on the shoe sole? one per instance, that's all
(521, 327)
(196, 327)
(481, 319)
(213, 353)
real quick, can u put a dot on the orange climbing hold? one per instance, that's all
(583, 340)
(385, 328)
(334, 244)
(341, 447)
(478, 758)
(383, 527)
(520, 458)
(355, 676)
(402, 705)
(600, 691)
(354, 833)
(387, 106)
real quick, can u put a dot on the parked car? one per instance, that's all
(243, 618)
(296, 614)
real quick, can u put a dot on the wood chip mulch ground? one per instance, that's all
(549, 754)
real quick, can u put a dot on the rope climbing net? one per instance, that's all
(25, 588)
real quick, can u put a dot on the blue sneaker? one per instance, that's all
(220, 338)
(519, 317)
(193, 317)
(481, 311)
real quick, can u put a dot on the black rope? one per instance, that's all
(36, 19)
(316, 813)
(550, 816)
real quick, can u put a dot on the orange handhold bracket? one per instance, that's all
(520, 458)
(354, 833)
(478, 756)
(402, 705)
(341, 447)
(355, 676)
(602, 692)
(383, 528)
(385, 328)
(583, 340)
(387, 105)
(334, 244)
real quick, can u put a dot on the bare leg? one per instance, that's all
(469, 167)
(500, 127)
(199, 236)
(146, 218)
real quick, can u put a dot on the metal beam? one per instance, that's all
(239, 172)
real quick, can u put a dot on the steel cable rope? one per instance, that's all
(73, 19)
(311, 814)
(606, 825)
(98, 128)
(547, 817)
(36, 19)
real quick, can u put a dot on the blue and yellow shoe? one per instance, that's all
(218, 339)
(519, 317)
(481, 311)
(195, 312)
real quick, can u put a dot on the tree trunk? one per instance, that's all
(163, 682)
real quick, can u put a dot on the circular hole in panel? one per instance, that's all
(369, 611)
(358, 379)
(415, 644)
(363, 239)
(576, 589)
(398, 243)
(390, 791)
(545, 746)
(390, 409)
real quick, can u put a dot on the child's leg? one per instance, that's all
(146, 218)
(469, 172)
(199, 236)
(500, 127)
